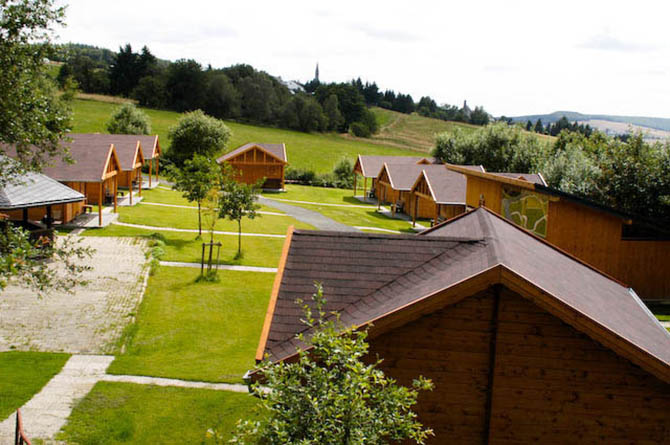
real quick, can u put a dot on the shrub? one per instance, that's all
(128, 119)
(196, 133)
(359, 129)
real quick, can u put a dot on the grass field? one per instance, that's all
(162, 196)
(184, 247)
(197, 331)
(316, 194)
(23, 374)
(319, 152)
(121, 413)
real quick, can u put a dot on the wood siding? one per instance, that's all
(594, 237)
(254, 165)
(523, 374)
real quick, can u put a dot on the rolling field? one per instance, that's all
(318, 151)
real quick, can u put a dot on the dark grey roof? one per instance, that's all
(36, 190)
(371, 165)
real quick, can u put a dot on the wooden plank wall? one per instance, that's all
(554, 385)
(451, 347)
(254, 165)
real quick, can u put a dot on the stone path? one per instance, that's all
(160, 381)
(216, 232)
(87, 320)
(318, 203)
(195, 208)
(46, 413)
(307, 216)
(221, 267)
(377, 229)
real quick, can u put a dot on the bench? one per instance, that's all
(88, 208)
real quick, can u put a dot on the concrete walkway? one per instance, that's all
(160, 381)
(216, 232)
(46, 413)
(221, 267)
(195, 208)
(307, 216)
(317, 203)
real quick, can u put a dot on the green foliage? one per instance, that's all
(128, 119)
(359, 129)
(333, 393)
(195, 179)
(196, 133)
(331, 109)
(150, 92)
(498, 147)
(223, 100)
(237, 200)
(344, 172)
(185, 85)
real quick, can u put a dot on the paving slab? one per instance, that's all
(221, 267)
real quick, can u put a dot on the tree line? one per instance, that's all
(632, 176)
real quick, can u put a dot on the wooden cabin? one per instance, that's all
(523, 342)
(438, 193)
(369, 166)
(151, 150)
(620, 245)
(94, 172)
(38, 198)
(253, 162)
(131, 158)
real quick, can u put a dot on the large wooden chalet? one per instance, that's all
(524, 343)
(620, 245)
(254, 162)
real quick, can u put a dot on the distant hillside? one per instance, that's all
(657, 123)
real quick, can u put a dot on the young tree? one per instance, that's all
(194, 179)
(237, 200)
(333, 393)
(196, 133)
(128, 119)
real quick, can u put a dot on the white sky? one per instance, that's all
(512, 57)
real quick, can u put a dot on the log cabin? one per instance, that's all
(438, 194)
(628, 248)
(369, 166)
(131, 157)
(36, 201)
(151, 150)
(524, 342)
(253, 162)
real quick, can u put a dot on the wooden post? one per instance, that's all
(100, 205)
(416, 210)
(157, 169)
(130, 188)
(151, 163)
(139, 172)
(115, 191)
(365, 186)
(355, 176)
(493, 346)
(49, 217)
(25, 215)
(437, 208)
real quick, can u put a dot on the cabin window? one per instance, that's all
(527, 209)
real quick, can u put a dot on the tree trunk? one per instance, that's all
(199, 221)
(239, 238)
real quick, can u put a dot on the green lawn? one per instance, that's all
(184, 247)
(319, 152)
(197, 331)
(316, 194)
(163, 196)
(158, 216)
(23, 374)
(121, 413)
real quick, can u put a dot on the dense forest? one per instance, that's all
(241, 92)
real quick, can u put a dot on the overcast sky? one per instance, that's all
(512, 57)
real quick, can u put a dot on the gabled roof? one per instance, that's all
(36, 190)
(403, 176)
(371, 165)
(446, 186)
(535, 178)
(150, 146)
(480, 248)
(128, 149)
(276, 150)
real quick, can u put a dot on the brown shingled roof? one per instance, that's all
(535, 178)
(476, 244)
(371, 165)
(276, 150)
(446, 186)
(128, 149)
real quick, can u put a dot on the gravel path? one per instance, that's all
(221, 267)
(88, 319)
(308, 216)
(318, 203)
(216, 232)
(46, 413)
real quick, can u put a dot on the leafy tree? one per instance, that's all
(331, 109)
(334, 393)
(32, 120)
(539, 128)
(196, 133)
(223, 100)
(185, 85)
(195, 179)
(237, 200)
(344, 172)
(479, 116)
(128, 119)
(150, 92)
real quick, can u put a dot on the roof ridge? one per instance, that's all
(394, 236)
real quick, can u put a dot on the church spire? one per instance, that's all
(316, 73)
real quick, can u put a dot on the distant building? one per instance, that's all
(467, 112)
(316, 73)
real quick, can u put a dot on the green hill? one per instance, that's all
(318, 151)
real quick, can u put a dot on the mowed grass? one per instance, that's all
(23, 374)
(318, 151)
(178, 218)
(122, 413)
(197, 330)
(184, 247)
(316, 194)
(173, 197)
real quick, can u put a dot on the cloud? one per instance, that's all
(391, 35)
(607, 42)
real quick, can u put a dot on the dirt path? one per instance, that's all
(90, 318)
